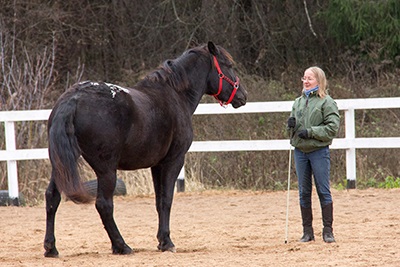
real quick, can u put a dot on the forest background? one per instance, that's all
(46, 46)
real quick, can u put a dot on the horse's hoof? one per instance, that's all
(172, 249)
(124, 251)
(165, 248)
(51, 253)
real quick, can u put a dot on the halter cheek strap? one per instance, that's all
(221, 76)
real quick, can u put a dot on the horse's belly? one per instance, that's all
(133, 159)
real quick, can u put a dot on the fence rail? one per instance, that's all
(350, 143)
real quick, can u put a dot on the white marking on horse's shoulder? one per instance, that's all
(114, 89)
(88, 82)
(117, 87)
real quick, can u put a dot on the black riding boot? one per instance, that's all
(327, 219)
(308, 232)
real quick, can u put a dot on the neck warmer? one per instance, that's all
(308, 92)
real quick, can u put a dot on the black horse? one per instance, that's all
(149, 125)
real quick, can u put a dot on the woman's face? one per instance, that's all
(309, 80)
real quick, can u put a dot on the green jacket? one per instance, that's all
(320, 116)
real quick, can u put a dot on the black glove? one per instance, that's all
(303, 134)
(291, 122)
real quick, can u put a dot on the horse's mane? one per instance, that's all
(173, 73)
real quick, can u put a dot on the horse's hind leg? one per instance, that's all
(53, 198)
(105, 207)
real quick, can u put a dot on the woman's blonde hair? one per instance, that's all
(321, 79)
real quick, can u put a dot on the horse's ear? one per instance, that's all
(213, 49)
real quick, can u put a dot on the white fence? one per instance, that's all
(350, 142)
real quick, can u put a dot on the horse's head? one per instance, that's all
(223, 84)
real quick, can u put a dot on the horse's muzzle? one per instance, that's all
(240, 98)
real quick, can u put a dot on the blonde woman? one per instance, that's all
(313, 123)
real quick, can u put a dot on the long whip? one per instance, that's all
(288, 190)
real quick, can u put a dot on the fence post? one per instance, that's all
(350, 152)
(180, 182)
(12, 169)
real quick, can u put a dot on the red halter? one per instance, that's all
(223, 77)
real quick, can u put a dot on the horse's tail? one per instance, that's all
(64, 152)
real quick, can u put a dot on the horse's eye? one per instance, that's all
(229, 65)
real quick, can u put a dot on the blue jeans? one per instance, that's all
(317, 163)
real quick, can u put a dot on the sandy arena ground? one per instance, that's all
(212, 229)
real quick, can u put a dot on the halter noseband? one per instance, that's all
(223, 77)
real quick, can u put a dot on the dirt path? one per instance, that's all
(212, 229)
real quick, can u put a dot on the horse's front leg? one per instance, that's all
(105, 207)
(53, 199)
(164, 178)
